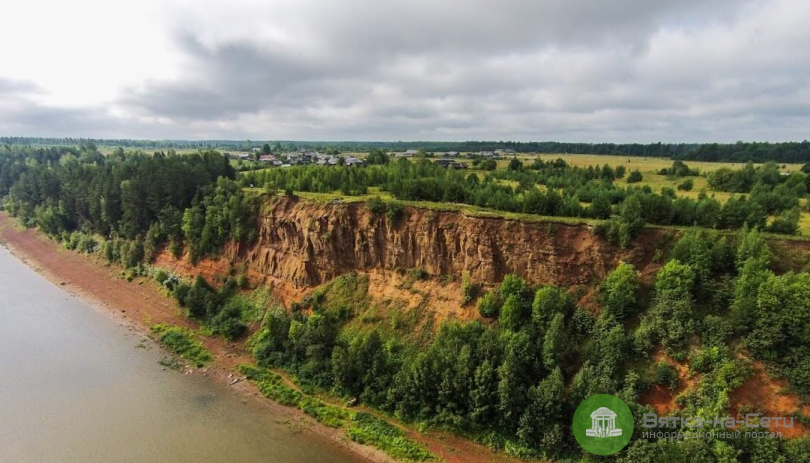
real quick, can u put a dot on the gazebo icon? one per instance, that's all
(603, 424)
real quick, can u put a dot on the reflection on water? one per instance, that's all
(75, 388)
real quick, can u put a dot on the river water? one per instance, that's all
(75, 388)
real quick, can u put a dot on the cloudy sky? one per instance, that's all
(568, 70)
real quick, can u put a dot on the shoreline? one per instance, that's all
(222, 369)
(141, 303)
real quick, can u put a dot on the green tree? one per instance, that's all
(512, 313)
(620, 291)
(541, 424)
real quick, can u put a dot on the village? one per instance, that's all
(446, 159)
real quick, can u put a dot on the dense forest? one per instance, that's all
(512, 378)
(792, 152)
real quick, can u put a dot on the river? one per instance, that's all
(76, 388)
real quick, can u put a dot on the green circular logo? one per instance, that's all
(603, 424)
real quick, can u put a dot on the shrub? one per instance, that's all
(488, 164)
(512, 285)
(366, 429)
(161, 276)
(394, 211)
(375, 205)
(228, 323)
(182, 342)
(635, 177)
(787, 223)
(666, 375)
(489, 305)
(469, 290)
(687, 185)
(418, 273)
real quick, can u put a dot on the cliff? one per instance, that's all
(307, 244)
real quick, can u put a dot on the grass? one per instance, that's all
(369, 430)
(182, 342)
(644, 164)
(360, 427)
(272, 386)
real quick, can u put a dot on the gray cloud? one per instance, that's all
(627, 70)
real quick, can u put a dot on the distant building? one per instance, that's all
(267, 158)
(503, 152)
(353, 162)
(451, 164)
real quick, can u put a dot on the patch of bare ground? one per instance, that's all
(661, 397)
(769, 396)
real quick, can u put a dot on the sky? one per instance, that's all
(388, 70)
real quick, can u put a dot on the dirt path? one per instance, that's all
(140, 304)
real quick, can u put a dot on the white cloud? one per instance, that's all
(629, 70)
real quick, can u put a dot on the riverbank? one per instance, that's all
(141, 303)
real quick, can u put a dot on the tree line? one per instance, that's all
(792, 152)
(565, 191)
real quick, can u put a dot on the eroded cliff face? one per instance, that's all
(307, 244)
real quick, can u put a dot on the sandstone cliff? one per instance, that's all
(307, 244)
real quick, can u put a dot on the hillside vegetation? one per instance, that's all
(510, 377)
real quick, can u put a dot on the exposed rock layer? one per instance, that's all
(307, 244)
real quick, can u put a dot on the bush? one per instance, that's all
(366, 429)
(161, 276)
(666, 375)
(787, 223)
(375, 205)
(489, 306)
(635, 177)
(394, 211)
(182, 341)
(488, 164)
(418, 273)
(228, 323)
(687, 185)
(469, 290)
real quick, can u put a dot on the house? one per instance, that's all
(451, 164)
(451, 154)
(277, 163)
(352, 161)
(409, 153)
(504, 152)
(267, 158)
(487, 154)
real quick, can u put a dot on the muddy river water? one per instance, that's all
(76, 388)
